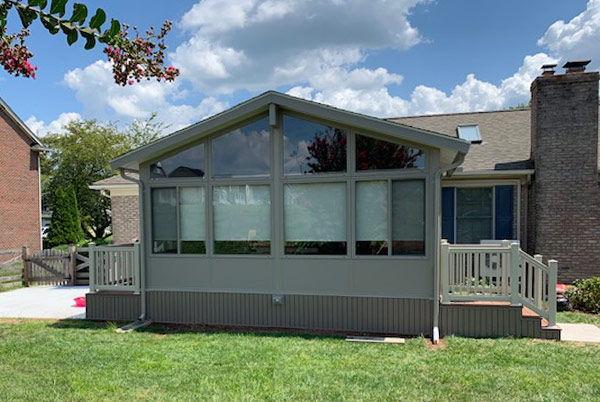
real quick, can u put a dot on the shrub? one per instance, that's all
(65, 225)
(586, 295)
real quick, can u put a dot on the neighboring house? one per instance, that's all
(123, 194)
(283, 212)
(20, 198)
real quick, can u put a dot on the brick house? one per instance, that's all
(20, 200)
(530, 175)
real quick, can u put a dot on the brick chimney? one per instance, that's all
(564, 207)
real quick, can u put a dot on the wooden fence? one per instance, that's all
(11, 272)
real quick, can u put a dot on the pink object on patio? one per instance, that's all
(80, 301)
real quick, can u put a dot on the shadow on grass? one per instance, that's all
(172, 329)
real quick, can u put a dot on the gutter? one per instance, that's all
(142, 316)
(459, 159)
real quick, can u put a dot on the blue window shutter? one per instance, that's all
(504, 212)
(448, 213)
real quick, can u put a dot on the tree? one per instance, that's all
(81, 155)
(133, 58)
(65, 226)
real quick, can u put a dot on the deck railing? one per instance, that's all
(485, 273)
(114, 267)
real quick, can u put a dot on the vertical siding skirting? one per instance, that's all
(311, 312)
(112, 306)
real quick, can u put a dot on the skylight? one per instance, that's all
(469, 132)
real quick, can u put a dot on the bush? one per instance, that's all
(65, 225)
(586, 295)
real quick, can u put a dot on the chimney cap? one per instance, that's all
(549, 66)
(576, 66)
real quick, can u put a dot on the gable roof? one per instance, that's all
(35, 141)
(115, 181)
(260, 104)
(505, 134)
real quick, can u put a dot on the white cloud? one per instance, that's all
(577, 39)
(102, 98)
(260, 44)
(40, 128)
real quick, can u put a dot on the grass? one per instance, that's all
(577, 317)
(79, 360)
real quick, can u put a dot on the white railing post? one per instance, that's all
(136, 267)
(515, 273)
(552, 279)
(539, 286)
(92, 266)
(444, 255)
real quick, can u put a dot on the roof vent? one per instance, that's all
(548, 69)
(576, 66)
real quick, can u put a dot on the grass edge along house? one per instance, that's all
(282, 212)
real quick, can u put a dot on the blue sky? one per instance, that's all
(385, 58)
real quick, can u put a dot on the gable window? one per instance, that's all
(242, 219)
(469, 132)
(310, 147)
(374, 154)
(315, 218)
(473, 214)
(188, 163)
(244, 151)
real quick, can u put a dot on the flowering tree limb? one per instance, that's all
(133, 59)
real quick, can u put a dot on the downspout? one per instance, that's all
(141, 193)
(459, 159)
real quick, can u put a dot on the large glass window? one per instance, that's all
(372, 217)
(188, 163)
(474, 216)
(309, 147)
(192, 222)
(242, 219)
(315, 218)
(164, 220)
(372, 154)
(408, 217)
(243, 152)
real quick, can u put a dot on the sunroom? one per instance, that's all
(282, 212)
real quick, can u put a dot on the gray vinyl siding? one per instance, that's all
(112, 307)
(488, 321)
(326, 313)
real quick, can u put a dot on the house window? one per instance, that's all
(472, 214)
(408, 217)
(315, 218)
(244, 151)
(164, 220)
(373, 154)
(192, 222)
(372, 212)
(188, 163)
(309, 147)
(242, 219)
(469, 132)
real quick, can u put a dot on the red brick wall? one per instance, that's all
(565, 194)
(125, 219)
(19, 189)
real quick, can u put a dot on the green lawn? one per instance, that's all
(80, 361)
(577, 317)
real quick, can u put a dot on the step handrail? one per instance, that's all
(499, 272)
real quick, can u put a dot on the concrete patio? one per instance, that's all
(43, 302)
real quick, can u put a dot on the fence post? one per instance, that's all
(552, 279)
(445, 254)
(136, 267)
(515, 273)
(24, 256)
(539, 285)
(92, 267)
(73, 264)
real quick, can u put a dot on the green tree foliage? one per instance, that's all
(81, 155)
(65, 226)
